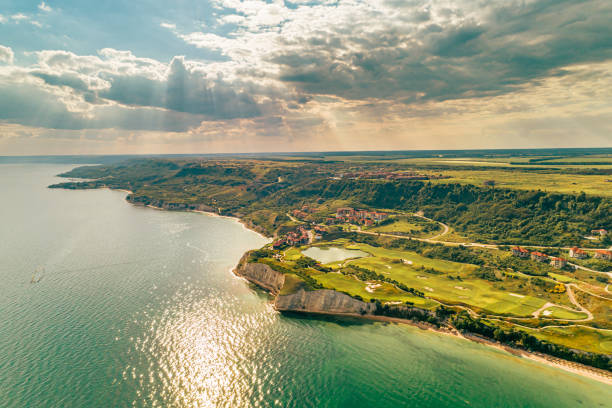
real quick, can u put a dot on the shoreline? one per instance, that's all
(565, 365)
(210, 214)
(592, 373)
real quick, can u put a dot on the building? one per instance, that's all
(538, 256)
(297, 237)
(603, 254)
(345, 212)
(558, 262)
(578, 253)
(364, 217)
(520, 252)
(601, 232)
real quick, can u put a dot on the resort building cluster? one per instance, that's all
(574, 252)
(537, 256)
(360, 217)
(302, 213)
(298, 237)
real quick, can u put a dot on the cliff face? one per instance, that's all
(322, 301)
(261, 275)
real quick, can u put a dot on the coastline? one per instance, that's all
(568, 366)
(210, 214)
(565, 365)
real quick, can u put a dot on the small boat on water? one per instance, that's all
(38, 275)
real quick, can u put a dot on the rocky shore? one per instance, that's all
(305, 301)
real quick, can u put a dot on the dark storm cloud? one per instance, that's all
(182, 91)
(32, 106)
(511, 44)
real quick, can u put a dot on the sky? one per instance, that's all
(225, 76)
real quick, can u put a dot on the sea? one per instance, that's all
(105, 304)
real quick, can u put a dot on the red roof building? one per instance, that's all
(558, 262)
(603, 254)
(577, 253)
(539, 256)
(520, 252)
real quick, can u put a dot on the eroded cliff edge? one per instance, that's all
(307, 301)
(261, 275)
(322, 301)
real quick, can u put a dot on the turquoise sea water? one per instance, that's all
(137, 307)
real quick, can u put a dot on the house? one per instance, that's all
(345, 212)
(379, 216)
(278, 243)
(603, 254)
(538, 256)
(558, 262)
(520, 252)
(601, 232)
(577, 253)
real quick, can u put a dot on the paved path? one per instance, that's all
(609, 274)
(572, 299)
(546, 305)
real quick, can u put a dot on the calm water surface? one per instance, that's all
(137, 307)
(333, 254)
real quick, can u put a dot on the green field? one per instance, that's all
(449, 282)
(382, 291)
(562, 313)
(384, 255)
(516, 179)
(408, 225)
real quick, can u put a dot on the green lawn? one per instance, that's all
(477, 293)
(561, 313)
(385, 292)
(416, 259)
(408, 225)
(552, 182)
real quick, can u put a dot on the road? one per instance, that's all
(609, 274)
(445, 227)
(572, 298)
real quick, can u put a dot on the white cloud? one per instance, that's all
(44, 7)
(169, 26)
(2, 19)
(6, 54)
(19, 17)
